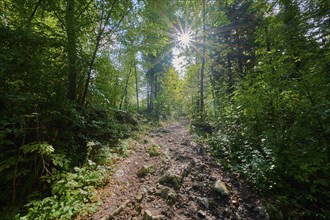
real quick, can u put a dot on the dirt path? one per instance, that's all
(178, 184)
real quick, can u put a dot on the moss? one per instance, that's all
(154, 151)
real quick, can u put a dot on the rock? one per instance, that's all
(148, 216)
(262, 212)
(118, 210)
(201, 214)
(221, 188)
(235, 202)
(197, 186)
(227, 212)
(202, 201)
(150, 198)
(169, 195)
(170, 179)
(143, 171)
(139, 197)
(200, 150)
(185, 143)
(123, 116)
(164, 192)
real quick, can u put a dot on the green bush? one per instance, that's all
(71, 193)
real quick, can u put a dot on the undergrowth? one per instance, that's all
(73, 192)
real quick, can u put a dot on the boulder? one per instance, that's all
(170, 179)
(126, 117)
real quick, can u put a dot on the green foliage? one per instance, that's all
(145, 170)
(72, 193)
(271, 91)
(153, 150)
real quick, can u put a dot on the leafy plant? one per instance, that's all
(72, 193)
(153, 150)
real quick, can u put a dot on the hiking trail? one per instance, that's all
(170, 176)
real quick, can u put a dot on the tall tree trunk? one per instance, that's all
(125, 89)
(71, 49)
(89, 72)
(136, 86)
(203, 66)
(103, 24)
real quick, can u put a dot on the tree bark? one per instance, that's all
(99, 37)
(203, 66)
(71, 49)
(125, 89)
(136, 86)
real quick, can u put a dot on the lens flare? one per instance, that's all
(185, 39)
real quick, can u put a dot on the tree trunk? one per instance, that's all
(136, 86)
(203, 66)
(125, 89)
(71, 49)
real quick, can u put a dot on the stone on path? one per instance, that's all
(143, 171)
(148, 216)
(169, 195)
(221, 188)
(170, 179)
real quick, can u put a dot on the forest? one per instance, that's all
(79, 79)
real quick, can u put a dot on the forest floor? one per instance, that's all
(178, 183)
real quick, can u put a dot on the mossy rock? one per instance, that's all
(145, 170)
(170, 179)
(169, 195)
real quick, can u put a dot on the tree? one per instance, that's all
(71, 48)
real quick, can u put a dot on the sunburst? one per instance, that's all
(185, 39)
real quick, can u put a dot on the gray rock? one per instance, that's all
(170, 179)
(221, 188)
(169, 195)
(148, 216)
(201, 213)
(202, 201)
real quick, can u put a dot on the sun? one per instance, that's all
(185, 39)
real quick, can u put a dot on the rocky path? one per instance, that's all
(169, 176)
